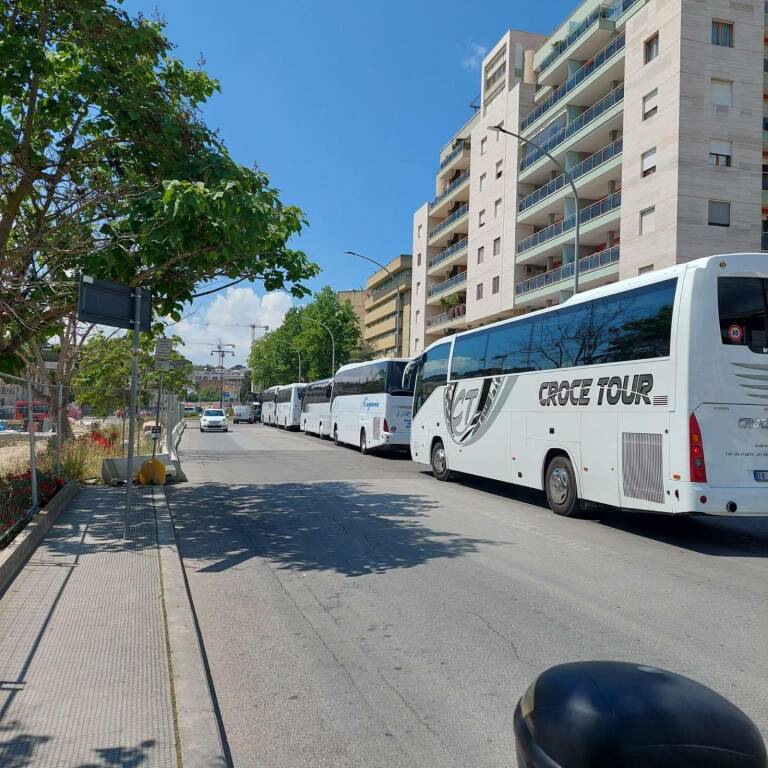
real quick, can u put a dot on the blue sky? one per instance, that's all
(345, 104)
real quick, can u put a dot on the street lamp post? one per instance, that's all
(333, 342)
(569, 178)
(220, 352)
(398, 351)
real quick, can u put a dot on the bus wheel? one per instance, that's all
(560, 487)
(336, 435)
(439, 462)
(363, 443)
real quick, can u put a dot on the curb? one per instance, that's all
(13, 557)
(201, 745)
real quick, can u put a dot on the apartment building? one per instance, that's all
(655, 110)
(383, 305)
(356, 299)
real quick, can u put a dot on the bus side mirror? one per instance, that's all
(607, 714)
(328, 392)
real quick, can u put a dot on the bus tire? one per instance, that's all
(336, 440)
(439, 462)
(560, 487)
(363, 443)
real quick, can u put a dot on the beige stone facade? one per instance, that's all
(655, 110)
(356, 299)
(383, 304)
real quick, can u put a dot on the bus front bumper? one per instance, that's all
(730, 501)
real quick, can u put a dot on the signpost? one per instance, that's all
(119, 306)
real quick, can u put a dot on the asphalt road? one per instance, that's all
(356, 612)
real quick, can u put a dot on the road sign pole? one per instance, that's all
(157, 414)
(32, 449)
(132, 406)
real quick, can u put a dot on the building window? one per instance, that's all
(497, 246)
(719, 214)
(419, 232)
(499, 169)
(498, 133)
(495, 285)
(650, 104)
(648, 220)
(481, 218)
(418, 259)
(651, 48)
(648, 162)
(722, 92)
(480, 254)
(720, 152)
(722, 33)
(479, 291)
(645, 269)
(483, 144)
(418, 286)
(482, 181)
(417, 315)
(497, 208)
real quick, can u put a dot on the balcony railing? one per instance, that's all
(580, 169)
(610, 12)
(448, 252)
(452, 314)
(607, 204)
(390, 284)
(554, 276)
(455, 216)
(496, 76)
(584, 119)
(610, 50)
(462, 145)
(446, 284)
(452, 187)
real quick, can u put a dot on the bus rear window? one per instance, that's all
(743, 308)
(395, 379)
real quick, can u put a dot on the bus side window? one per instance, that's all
(432, 373)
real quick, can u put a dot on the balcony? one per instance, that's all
(600, 23)
(590, 213)
(601, 157)
(584, 120)
(565, 273)
(403, 279)
(447, 287)
(495, 77)
(446, 257)
(453, 317)
(444, 196)
(607, 54)
(445, 227)
(459, 150)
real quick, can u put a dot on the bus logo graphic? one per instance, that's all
(369, 404)
(471, 408)
(753, 423)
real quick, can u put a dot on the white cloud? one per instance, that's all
(474, 57)
(225, 317)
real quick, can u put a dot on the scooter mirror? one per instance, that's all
(606, 714)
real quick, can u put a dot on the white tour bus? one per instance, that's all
(288, 405)
(268, 406)
(649, 394)
(316, 408)
(369, 406)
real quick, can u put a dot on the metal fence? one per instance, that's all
(50, 434)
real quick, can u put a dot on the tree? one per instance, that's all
(208, 394)
(102, 377)
(274, 357)
(245, 388)
(107, 169)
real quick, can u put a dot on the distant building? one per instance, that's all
(232, 378)
(357, 299)
(381, 308)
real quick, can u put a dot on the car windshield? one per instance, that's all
(213, 412)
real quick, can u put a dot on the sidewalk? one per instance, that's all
(84, 666)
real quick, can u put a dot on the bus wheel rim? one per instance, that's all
(559, 485)
(439, 459)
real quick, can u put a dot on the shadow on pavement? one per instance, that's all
(353, 529)
(18, 751)
(718, 536)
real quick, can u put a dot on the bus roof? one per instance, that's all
(606, 290)
(350, 366)
(319, 383)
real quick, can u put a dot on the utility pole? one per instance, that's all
(220, 351)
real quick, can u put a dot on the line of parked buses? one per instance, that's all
(650, 394)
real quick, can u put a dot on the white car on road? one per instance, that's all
(214, 420)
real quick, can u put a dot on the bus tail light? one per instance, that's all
(698, 468)
(386, 427)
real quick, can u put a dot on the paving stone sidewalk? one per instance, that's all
(84, 673)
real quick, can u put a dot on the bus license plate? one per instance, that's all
(761, 475)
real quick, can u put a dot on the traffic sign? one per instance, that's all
(108, 303)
